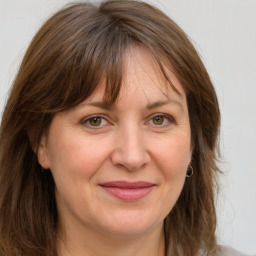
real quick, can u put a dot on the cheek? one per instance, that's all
(75, 155)
(174, 157)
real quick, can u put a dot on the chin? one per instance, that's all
(130, 225)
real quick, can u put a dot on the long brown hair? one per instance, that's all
(73, 51)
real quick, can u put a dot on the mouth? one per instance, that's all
(128, 191)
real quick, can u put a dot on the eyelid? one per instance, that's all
(170, 118)
(88, 118)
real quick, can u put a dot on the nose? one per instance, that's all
(129, 150)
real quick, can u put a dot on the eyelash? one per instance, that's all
(90, 118)
(167, 121)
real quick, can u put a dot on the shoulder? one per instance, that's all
(228, 251)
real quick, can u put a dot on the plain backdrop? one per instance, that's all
(224, 33)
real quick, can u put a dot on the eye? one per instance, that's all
(95, 122)
(161, 120)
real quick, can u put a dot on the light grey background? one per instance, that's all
(223, 31)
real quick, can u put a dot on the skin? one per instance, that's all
(144, 136)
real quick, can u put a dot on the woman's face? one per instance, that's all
(119, 169)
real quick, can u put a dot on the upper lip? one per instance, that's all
(127, 184)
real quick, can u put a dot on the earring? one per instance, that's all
(42, 169)
(190, 171)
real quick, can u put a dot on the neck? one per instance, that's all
(87, 243)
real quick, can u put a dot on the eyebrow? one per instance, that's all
(102, 104)
(111, 106)
(161, 103)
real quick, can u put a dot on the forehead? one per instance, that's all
(143, 77)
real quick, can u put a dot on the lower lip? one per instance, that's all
(128, 194)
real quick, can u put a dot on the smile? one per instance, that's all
(128, 191)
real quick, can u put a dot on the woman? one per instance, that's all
(109, 139)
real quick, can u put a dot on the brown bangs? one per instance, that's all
(82, 53)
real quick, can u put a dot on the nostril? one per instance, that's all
(132, 160)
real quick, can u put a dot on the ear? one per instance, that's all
(42, 153)
(38, 148)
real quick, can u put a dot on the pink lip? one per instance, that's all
(128, 191)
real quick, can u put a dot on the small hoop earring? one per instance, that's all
(42, 169)
(190, 171)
